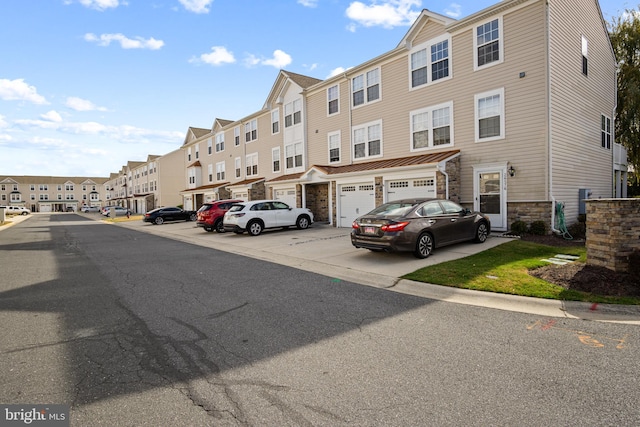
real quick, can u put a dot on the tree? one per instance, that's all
(625, 39)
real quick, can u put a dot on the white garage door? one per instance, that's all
(355, 200)
(240, 195)
(410, 188)
(287, 195)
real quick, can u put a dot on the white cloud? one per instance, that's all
(100, 5)
(18, 90)
(5, 138)
(3, 122)
(280, 59)
(454, 10)
(308, 3)
(386, 14)
(219, 55)
(125, 42)
(80, 104)
(196, 6)
(52, 116)
(251, 60)
(337, 71)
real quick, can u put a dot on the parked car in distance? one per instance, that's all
(87, 209)
(113, 211)
(211, 214)
(418, 226)
(170, 213)
(258, 215)
(15, 210)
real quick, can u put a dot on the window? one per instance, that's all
(209, 147)
(292, 113)
(275, 159)
(197, 155)
(251, 131)
(252, 164)
(367, 140)
(220, 171)
(293, 155)
(605, 132)
(333, 100)
(275, 121)
(585, 51)
(488, 44)
(210, 172)
(489, 121)
(189, 154)
(236, 136)
(365, 88)
(15, 197)
(220, 142)
(431, 127)
(238, 166)
(44, 197)
(429, 62)
(334, 147)
(68, 187)
(70, 197)
(44, 187)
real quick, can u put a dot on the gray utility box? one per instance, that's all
(583, 194)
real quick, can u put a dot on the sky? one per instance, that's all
(88, 85)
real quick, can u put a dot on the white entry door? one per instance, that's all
(491, 196)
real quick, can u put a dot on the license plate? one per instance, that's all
(370, 230)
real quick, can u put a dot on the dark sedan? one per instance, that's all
(161, 215)
(418, 226)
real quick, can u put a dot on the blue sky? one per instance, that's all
(88, 85)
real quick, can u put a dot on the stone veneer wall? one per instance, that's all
(318, 201)
(613, 232)
(532, 211)
(257, 191)
(453, 170)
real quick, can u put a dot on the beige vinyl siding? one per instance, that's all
(577, 102)
(430, 30)
(263, 146)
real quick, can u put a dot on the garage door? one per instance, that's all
(410, 188)
(240, 195)
(287, 195)
(355, 200)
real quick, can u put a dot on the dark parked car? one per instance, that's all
(418, 226)
(161, 215)
(211, 214)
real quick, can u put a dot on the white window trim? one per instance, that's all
(294, 168)
(254, 162)
(430, 110)
(209, 147)
(237, 136)
(273, 151)
(353, 149)
(277, 112)
(250, 124)
(427, 45)
(500, 44)
(477, 119)
(329, 135)
(220, 169)
(366, 102)
(337, 86)
(219, 138)
(237, 162)
(607, 134)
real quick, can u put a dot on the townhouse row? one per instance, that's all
(508, 111)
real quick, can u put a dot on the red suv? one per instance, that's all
(210, 214)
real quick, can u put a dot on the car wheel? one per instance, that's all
(302, 222)
(193, 217)
(254, 228)
(424, 246)
(25, 213)
(482, 232)
(219, 226)
(208, 228)
(159, 221)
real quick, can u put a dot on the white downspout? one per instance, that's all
(549, 132)
(442, 170)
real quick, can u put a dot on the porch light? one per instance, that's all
(512, 171)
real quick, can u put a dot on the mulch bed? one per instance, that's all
(582, 277)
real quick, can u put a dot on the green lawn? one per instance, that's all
(503, 269)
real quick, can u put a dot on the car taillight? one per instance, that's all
(355, 225)
(395, 226)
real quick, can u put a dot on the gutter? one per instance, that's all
(442, 169)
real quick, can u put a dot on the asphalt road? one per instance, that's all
(133, 329)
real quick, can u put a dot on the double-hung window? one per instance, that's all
(275, 121)
(585, 55)
(367, 140)
(605, 132)
(251, 130)
(219, 142)
(238, 167)
(275, 159)
(365, 88)
(429, 62)
(489, 115)
(220, 171)
(209, 146)
(334, 147)
(293, 156)
(252, 164)
(236, 135)
(431, 127)
(292, 113)
(333, 100)
(210, 170)
(487, 43)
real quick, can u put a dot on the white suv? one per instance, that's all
(255, 216)
(15, 210)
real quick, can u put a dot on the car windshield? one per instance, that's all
(393, 209)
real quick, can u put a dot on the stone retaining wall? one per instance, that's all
(613, 232)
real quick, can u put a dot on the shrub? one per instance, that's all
(578, 230)
(519, 228)
(539, 228)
